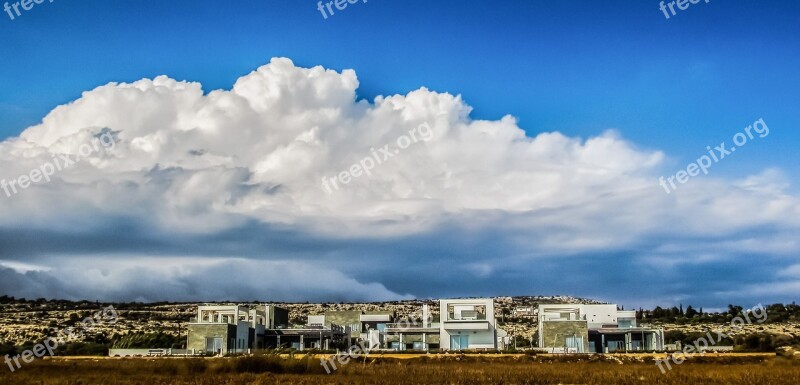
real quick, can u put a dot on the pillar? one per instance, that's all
(628, 342)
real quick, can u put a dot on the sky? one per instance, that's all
(213, 128)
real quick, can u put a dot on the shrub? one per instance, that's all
(196, 365)
(258, 364)
(8, 349)
(168, 367)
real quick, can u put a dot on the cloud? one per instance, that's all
(190, 279)
(235, 177)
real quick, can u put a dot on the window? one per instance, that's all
(214, 344)
(459, 342)
(466, 312)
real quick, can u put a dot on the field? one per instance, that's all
(452, 370)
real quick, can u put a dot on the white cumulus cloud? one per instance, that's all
(191, 167)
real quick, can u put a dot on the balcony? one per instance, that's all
(466, 325)
(466, 315)
(403, 327)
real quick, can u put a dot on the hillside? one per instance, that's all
(23, 322)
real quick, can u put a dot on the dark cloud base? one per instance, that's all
(436, 264)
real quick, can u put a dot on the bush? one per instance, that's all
(8, 349)
(782, 340)
(262, 364)
(168, 367)
(196, 365)
(82, 349)
(146, 341)
(271, 364)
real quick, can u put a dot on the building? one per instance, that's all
(316, 334)
(524, 311)
(373, 326)
(462, 324)
(579, 328)
(225, 329)
(413, 334)
(467, 324)
(361, 325)
(234, 329)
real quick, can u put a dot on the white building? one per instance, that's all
(582, 328)
(226, 328)
(467, 324)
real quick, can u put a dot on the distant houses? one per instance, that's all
(463, 324)
(524, 312)
(457, 325)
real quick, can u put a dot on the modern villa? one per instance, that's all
(467, 324)
(462, 324)
(578, 328)
(237, 329)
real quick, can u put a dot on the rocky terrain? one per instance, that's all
(27, 321)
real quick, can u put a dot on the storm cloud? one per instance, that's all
(218, 196)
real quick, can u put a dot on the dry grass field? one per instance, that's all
(451, 371)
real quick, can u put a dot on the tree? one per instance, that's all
(734, 310)
(503, 314)
(146, 341)
(752, 342)
(674, 335)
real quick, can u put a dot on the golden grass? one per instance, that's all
(451, 370)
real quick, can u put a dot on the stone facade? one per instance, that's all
(555, 333)
(199, 332)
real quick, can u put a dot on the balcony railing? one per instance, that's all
(407, 325)
(467, 316)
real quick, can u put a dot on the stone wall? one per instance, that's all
(199, 333)
(555, 333)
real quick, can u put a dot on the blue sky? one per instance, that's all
(576, 67)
